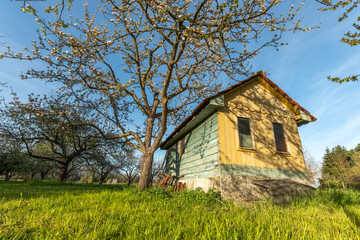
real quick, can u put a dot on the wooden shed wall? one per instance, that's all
(256, 102)
(201, 156)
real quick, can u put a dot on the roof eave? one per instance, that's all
(304, 118)
(211, 107)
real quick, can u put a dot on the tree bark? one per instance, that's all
(63, 172)
(146, 171)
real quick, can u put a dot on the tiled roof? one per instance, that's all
(206, 101)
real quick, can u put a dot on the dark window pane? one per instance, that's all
(279, 137)
(244, 133)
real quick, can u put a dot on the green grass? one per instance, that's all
(50, 210)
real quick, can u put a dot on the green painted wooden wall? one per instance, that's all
(201, 156)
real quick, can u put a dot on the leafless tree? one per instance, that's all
(313, 168)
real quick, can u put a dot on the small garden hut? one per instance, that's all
(244, 134)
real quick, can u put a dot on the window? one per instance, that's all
(244, 133)
(279, 137)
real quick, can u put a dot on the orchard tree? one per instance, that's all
(43, 167)
(51, 124)
(131, 168)
(142, 65)
(351, 38)
(105, 159)
(39, 168)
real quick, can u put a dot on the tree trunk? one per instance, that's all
(7, 176)
(43, 174)
(102, 179)
(93, 178)
(146, 171)
(130, 179)
(63, 172)
(104, 175)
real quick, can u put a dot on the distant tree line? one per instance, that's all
(341, 168)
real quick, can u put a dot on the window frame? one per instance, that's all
(253, 145)
(285, 138)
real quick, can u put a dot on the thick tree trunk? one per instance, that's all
(146, 171)
(63, 172)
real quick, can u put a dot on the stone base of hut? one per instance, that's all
(245, 189)
(253, 188)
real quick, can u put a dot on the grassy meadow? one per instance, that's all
(52, 210)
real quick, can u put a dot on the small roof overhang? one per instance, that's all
(211, 107)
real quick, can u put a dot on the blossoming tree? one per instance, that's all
(142, 64)
(52, 124)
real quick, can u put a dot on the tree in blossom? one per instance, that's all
(52, 124)
(106, 159)
(142, 65)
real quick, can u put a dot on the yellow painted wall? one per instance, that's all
(255, 101)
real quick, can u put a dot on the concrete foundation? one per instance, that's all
(205, 183)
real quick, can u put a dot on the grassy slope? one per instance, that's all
(84, 211)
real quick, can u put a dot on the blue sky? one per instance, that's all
(300, 69)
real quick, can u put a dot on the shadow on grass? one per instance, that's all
(35, 188)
